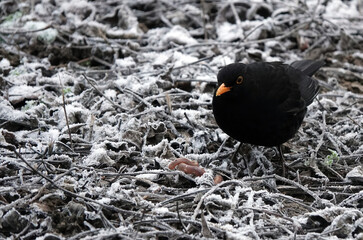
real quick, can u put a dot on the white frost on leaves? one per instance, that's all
(227, 217)
(265, 55)
(164, 162)
(150, 176)
(238, 234)
(181, 59)
(191, 9)
(75, 11)
(356, 174)
(9, 113)
(159, 147)
(110, 93)
(162, 58)
(268, 58)
(160, 210)
(221, 134)
(193, 115)
(41, 9)
(53, 134)
(206, 178)
(179, 35)
(203, 98)
(23, 91)
(56, 79)
(127, 62)
(104, 200)
(342, 9)
(94, 27)
(116, 190)
(206, 77)
(4, 63)
(154, 37)
(228, 32)
(46, 36)
(221, 61)
(133, 32)
(20, 76)
(349, 136)
(198, 142)
(136, 84)
(98, 156)
(74, 6)
(74, 110)
(358, 55)
(34, 25)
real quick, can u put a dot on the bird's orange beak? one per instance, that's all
(222, 89)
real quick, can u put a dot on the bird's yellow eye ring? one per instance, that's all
(239, 80)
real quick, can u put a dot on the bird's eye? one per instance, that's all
(239, 80)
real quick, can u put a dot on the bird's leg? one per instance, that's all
(234, 156)
(279, 147)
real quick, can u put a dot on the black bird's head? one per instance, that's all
(231, 77)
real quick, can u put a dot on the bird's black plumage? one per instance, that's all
(264, 103)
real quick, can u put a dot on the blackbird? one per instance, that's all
(264, 103)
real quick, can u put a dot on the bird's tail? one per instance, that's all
(308, 67)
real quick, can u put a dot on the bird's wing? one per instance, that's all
(300, 72)
(309, 88)
(277, 86)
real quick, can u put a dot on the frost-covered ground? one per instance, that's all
(99, 97)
